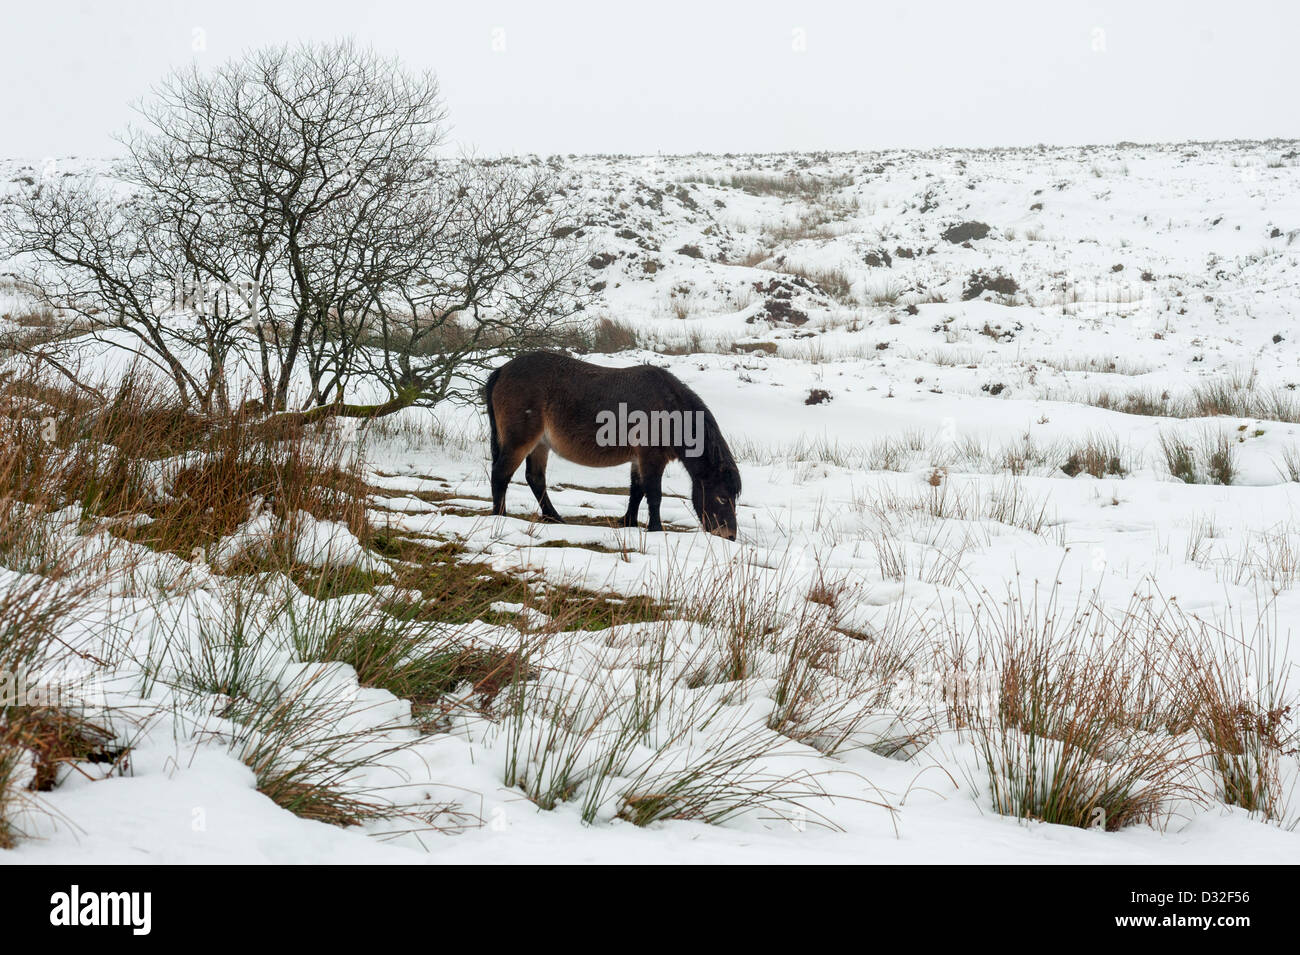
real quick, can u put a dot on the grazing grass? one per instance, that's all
(1180, 459)
(1099, 455)
(609, 336)
(1237, 700)
(1099, 364)
(1208, 459)
(698, 702)
(303, 756)
(444, 584)
(1270, 557)
(1289, 469)
(1146, 403)
(1232, 397)
(170, 480)
(653, 731)
(834, 283)
(788, 185)
(280, 666)
(885, 293)
(47, 707)
(1060, 703)
(416, 660)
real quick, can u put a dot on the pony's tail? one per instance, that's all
(492, 415)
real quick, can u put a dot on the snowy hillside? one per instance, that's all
(1020, 439)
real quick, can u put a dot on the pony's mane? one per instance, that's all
(717, 460)
(719, 456)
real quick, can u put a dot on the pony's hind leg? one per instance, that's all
(635, 494)
(504, 466)
(518, 430)
(535, 472)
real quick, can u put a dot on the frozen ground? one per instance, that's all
(928, 479)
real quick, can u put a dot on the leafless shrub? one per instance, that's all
(288, 211)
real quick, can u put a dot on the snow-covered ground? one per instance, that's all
(904, 441)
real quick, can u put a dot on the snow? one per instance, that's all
(1151, 269)
(315, 543)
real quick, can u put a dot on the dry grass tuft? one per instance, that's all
(1064, 708)
(167, 478)
(1209, 459)
(1099, 455)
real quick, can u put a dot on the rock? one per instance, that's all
(778, 294)
(781, 310)
(965, 232)
(977, 283)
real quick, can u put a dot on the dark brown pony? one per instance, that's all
(539, 402)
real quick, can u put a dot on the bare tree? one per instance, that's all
(286, 213)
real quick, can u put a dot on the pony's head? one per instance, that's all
(715, 479)
(714, 493)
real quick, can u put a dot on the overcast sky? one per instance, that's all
(663, 76)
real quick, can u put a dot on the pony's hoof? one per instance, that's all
(552, 519)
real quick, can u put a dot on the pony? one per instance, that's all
(600, 417)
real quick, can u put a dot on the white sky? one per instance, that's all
(661, 75)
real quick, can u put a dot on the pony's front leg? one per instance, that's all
(653, 482)
(635, 494)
